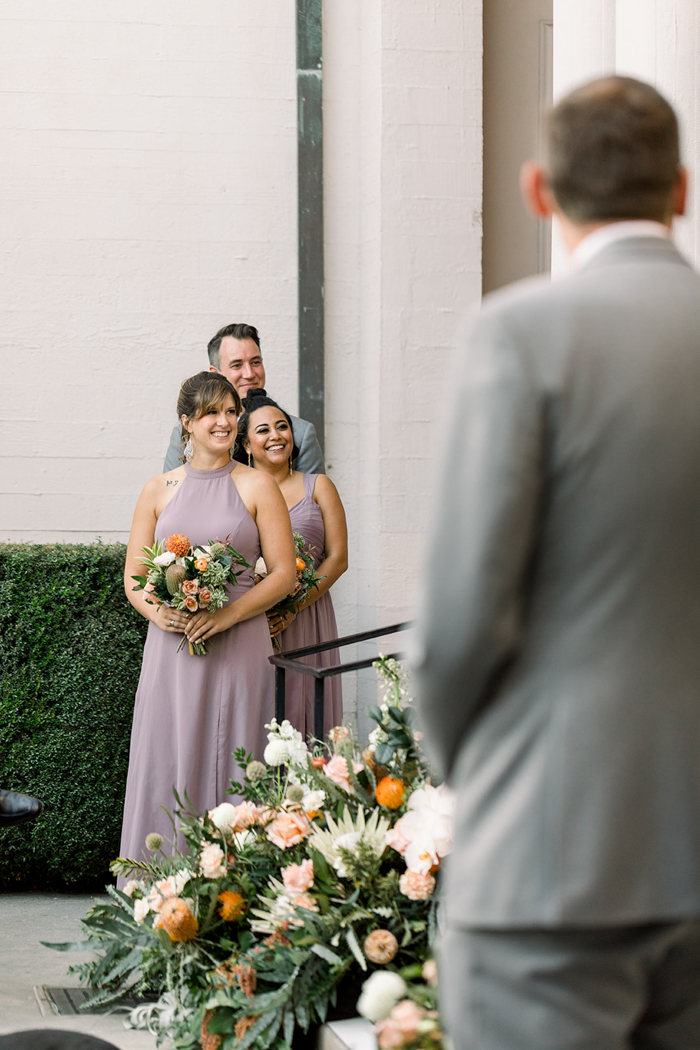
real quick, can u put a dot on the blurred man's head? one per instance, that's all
(612, 154)
(235, 352)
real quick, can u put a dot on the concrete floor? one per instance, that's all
(26, 919)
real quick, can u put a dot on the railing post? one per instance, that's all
(280, 686)
(319, 684)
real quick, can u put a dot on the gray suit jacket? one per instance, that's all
(559, 649)
(309, 460)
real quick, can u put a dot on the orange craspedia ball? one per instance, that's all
(390, 792)
(177, 544)
(178, 921)
(232, 905)
(301, 564)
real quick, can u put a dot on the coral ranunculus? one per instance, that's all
(289, 829)
(178, 921)
(390, 792)
(232, 905)
(178, 544)
(417, 887)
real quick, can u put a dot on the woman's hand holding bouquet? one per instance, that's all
(188, 584)
(281, 615)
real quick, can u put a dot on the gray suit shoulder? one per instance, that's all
(172, 456)
(310, 459)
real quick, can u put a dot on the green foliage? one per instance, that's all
(70, 658)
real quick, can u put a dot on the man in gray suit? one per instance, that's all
(558, 654)
(235, 353)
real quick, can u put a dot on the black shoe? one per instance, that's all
(17, 809)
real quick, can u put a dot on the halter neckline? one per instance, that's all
(207, 475)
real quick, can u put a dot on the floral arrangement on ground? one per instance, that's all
(317, 886)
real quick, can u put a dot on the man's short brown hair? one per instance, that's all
(613, 152)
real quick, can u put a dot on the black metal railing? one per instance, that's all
(292, 661)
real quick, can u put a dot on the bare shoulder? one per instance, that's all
(324, 489)
(253, 482)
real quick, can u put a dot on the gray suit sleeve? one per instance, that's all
(172, 456)
(481, 540)
(310, 458)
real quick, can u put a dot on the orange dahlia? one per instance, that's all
(390, 792)
(232, 905)
(178, 544)
(179, 922)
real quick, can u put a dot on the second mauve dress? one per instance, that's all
(192, 711)
(313, 625)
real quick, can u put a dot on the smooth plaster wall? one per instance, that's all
(148, 196)
(402, 155)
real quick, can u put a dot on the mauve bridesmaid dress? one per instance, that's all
(192, 711)
(313, 625)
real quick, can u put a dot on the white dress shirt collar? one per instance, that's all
(610, 233)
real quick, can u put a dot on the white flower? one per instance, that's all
(141, 910)
(132, 884)
(347, 842)
(211, 862)
(313, 801)
(277, 752)
(166, 558)
(427, 827)
(380, 994)
(223, 816)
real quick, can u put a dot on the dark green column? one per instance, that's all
(310, 233)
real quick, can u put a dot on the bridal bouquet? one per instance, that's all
(320, 878)
(306, 579)
(189, 578)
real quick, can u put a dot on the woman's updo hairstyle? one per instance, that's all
(201, 393)
(254, 400)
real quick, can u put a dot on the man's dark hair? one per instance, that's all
(237, 331)
(614, 152)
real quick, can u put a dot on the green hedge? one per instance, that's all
(70, 657)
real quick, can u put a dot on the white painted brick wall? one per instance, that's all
(148, 196)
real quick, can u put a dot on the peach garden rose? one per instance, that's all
(288, 829)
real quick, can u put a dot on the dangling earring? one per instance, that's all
(250, 460)
(188, 452)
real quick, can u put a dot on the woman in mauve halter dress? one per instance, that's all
(315, 509)
(192, 711)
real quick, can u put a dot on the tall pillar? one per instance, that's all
(402, 160)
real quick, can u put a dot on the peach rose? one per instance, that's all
(288, 829)
(415, 886)
(201, 564)
(298, 877)
(402, 1025)
(247, 814)
(337, 771)
(191, 604)
(306, 901)
(190, 587)
(204, 596)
